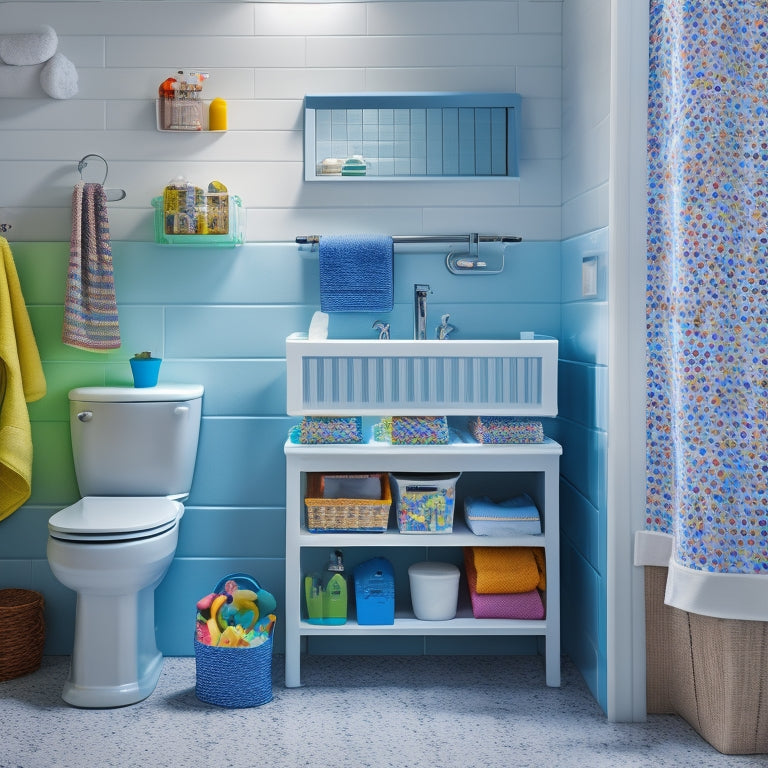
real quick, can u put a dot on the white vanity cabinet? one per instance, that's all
(533, 468)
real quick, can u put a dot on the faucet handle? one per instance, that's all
(444, 329)
(382, 328)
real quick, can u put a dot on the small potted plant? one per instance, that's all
(145, 369)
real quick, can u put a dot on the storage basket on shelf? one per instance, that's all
(22, 632)
(336, 514)
(236, 675)
(375, 591)
(424, 503)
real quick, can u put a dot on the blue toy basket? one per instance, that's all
(234, 677)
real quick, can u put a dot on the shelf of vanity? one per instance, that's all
(407, 624)
(461, 536)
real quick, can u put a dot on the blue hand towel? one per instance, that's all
(356, 273)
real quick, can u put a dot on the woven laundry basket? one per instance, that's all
(711, 672)
(22, 632)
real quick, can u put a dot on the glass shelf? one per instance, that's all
(411, 136)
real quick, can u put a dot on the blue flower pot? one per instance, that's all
(145, 371)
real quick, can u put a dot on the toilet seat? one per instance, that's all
(119, 518)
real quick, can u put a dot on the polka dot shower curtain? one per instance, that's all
(707, 302)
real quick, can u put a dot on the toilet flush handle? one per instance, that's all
(85, 415)
(181, 410)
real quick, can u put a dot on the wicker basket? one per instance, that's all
(345, 515)
(22, 632)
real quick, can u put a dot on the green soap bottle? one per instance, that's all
(313, 594)
(335, 591)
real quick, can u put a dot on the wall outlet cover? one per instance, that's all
(589, 277)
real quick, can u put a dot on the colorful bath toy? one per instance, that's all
(238, 613)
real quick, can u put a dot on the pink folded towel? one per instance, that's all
(519, 605)
(90, 306)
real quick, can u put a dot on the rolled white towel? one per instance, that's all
(59, 77)
(318, 327)
(29, 47)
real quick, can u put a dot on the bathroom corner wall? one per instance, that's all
(220, 316)
(584, 364)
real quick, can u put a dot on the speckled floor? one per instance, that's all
(353, 712)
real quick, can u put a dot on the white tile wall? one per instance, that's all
(585, 110)
(263, 57)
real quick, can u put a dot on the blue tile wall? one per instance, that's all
(582, 429)
(220, 317)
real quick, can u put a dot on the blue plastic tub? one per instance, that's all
(375, 591)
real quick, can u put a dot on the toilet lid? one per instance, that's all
(107, 518)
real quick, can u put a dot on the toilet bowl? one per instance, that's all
(115, 659)
(114, 550)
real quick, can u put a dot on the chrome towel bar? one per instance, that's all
(425, 239)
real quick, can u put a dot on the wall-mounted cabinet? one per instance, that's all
(411, 136)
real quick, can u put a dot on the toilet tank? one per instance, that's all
(135, 442)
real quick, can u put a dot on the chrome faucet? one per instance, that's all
(420, 311)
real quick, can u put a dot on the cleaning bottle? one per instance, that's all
(313, 594)
(165, 95)
(335, 590)
(217, 115)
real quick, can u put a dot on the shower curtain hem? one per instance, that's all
(741, 596)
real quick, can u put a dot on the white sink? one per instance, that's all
(471, 377)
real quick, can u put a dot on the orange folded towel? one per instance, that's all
(508, 570)
(541, 563)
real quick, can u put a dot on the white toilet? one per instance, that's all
(134, 453)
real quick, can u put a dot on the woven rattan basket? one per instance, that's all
(22, 632)
(334, 515)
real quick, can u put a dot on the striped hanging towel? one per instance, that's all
(90, 306)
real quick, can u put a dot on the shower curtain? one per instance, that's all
(707, 303)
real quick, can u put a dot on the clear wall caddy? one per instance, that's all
(411, 136)
(204, 119)
(112, 195)
(233, 214)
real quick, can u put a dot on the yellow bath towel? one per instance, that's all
(21, 381)
(508, 570)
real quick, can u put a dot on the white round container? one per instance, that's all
(434, 590)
